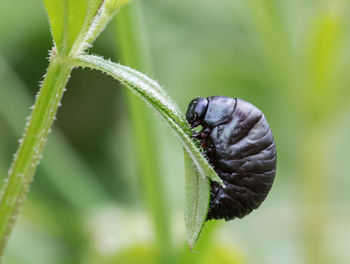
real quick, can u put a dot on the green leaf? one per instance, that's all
(154, 95)
(198, 170)
(197, 197)
(67, 18)
(75, 24)
(56, 10)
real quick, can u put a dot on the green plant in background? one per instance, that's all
(74, 26)
(133, 50)
(288, 57)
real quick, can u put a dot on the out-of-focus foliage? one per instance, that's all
(290, 58)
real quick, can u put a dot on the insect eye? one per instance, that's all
(196, 110)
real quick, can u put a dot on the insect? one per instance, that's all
(238, 143)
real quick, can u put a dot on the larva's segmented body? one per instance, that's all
(240, 146)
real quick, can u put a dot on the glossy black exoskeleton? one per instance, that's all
(238, 143)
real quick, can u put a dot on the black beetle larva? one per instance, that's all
(238, 143)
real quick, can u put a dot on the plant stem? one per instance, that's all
(32, 143)
(132, 51)
(315, 192)
(44, 111)
(74, 181)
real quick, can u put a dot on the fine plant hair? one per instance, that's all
(73, 34)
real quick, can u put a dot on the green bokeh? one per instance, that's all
(290, 58)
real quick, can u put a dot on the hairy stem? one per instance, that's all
(31, 146)
(44, 111)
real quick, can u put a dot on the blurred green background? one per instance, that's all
(110, 188)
